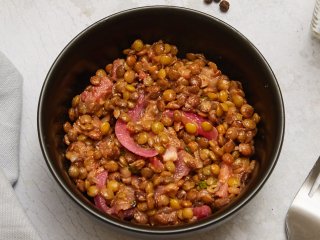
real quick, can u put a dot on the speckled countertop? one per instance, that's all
(32, 33)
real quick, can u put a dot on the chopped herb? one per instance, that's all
(133, 203)
(122, 152)
(204, 97)
(134, 170)
(187, 149)
(202, 184)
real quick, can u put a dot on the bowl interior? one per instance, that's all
(190, 31)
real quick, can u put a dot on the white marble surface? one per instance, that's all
(32, 33)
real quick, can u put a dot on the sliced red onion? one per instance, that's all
(101, 203)
(124, 136)
(128, 142)
(188, 117)
(101, 179)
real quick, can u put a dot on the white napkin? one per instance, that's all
(14, 223)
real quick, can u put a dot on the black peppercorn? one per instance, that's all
(216, 1)
(224, 5)
(208, 1)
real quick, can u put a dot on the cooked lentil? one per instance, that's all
(159, 140)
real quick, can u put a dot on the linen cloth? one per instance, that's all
(14, 224)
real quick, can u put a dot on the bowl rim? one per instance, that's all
(181, 228)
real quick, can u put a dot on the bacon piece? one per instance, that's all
(225, 173)
(202, 211)
(221, 202)
(136, 113)
(181, 168)
(140, 217)
(170, 189)
(190, 161)
(108, 147)
(173, 138)
(101, 179)
(150, 112)
(124, 199)
(170, 154)
(156, 164)
(209, 77)
(95, 94)
(223, 191)
(166, 217)
(78, 151)
(142, 75)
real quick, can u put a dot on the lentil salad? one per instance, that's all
(159, 140)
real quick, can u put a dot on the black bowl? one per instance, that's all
(191, 31)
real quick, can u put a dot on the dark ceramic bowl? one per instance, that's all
(190, 31)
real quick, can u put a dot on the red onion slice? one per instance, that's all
(101, 203)
(194, 118)
(128, 142)
(101, 179)
(123, 134)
